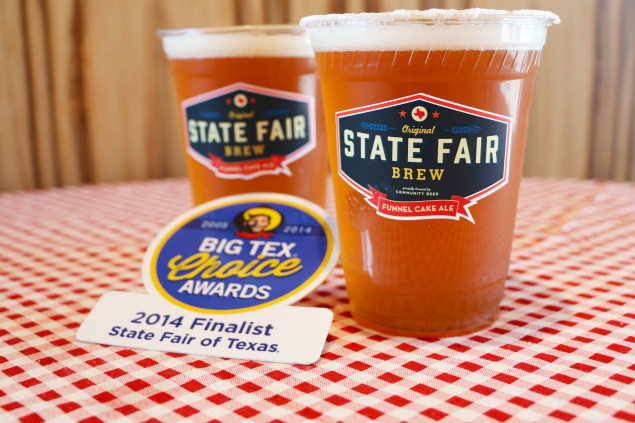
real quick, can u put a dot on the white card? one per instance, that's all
(281, 334)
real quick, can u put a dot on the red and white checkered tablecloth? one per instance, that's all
(562, 350)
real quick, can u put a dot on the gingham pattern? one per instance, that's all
(563, 349)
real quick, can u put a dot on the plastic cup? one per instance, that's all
(427, 116)
(251, 111)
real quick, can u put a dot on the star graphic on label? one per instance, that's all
(402, 113)
(435, 114)
(252, 100)
(419, 113)
(240, 100)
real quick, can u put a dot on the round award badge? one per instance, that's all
(242, 253)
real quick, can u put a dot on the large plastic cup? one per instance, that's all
(427, 117)
(251, 110)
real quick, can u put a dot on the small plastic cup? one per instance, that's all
(251, 110)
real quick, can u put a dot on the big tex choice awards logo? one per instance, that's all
(422, 157)
(242, 253)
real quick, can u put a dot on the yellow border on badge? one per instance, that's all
(309, 281)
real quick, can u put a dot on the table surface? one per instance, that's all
(562, 350)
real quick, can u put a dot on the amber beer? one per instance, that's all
(251, 110)
(427, 116)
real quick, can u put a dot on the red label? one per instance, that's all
(454, 208)
(274, 164)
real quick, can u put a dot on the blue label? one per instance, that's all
(244, 131)
(421, 157)
(241, 255)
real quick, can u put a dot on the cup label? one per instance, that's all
(422, 157)
(243, 131)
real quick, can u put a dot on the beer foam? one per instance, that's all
(435, 29)
(250, 41)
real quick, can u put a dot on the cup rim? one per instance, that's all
(265, 29)
(473, 16)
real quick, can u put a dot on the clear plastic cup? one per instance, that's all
(427, 116)
(251, 110)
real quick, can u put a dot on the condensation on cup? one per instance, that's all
(427, 115)
(251, 110)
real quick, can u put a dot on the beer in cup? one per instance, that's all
(426, 114)
(251, 111)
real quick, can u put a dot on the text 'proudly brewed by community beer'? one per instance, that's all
(427, 115)
(251, 110)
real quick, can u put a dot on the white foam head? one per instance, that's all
(246, 41)
(436, 29)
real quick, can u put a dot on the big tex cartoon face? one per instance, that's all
(257, 222)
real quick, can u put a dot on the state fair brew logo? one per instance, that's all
(243, 131)
(422, 157)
